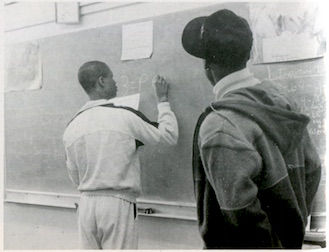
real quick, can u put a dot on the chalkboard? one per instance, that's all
(305, 82)
(35, 120)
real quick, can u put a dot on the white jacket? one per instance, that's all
(101, 147)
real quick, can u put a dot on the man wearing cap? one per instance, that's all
(255, 169)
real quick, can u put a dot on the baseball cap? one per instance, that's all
(222, 37)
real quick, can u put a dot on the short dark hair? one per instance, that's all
(89, 73)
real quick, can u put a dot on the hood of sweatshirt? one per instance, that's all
(271, 109)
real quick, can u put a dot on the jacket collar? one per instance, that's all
(94, 103)
(239, 79)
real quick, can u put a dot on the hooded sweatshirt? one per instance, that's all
(256, 171)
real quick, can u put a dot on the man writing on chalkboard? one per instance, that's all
(102, 156)
(255, 169)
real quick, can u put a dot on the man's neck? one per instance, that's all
(97, 96)
(221, 72)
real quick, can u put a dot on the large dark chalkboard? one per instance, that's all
(35, 120)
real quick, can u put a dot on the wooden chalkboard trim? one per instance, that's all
(41, 198)
(146, 208)
(150, 208)
(89, 8)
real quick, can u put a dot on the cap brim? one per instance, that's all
(192, 40)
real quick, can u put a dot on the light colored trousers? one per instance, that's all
(107, 222)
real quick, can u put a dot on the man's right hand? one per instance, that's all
(161, 87)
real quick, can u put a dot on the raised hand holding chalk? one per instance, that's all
(161, 88)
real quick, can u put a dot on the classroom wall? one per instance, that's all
(24, 21)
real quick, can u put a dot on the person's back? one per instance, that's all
(264, 152)
(102, 155)
(104, 141)
(255, 169)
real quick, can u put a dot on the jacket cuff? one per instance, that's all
(164, 106)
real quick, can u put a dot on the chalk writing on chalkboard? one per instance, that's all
(305, 84)
(128, 86)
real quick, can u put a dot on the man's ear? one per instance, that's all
(100, 81)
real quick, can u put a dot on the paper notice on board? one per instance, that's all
(23, 67)
(284, 48)
(287, 31)
(131, 101)
(137, 41)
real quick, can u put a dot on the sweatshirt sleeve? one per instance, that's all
(72, 169)
(166, 131)
(230, 165)
(313, 171)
